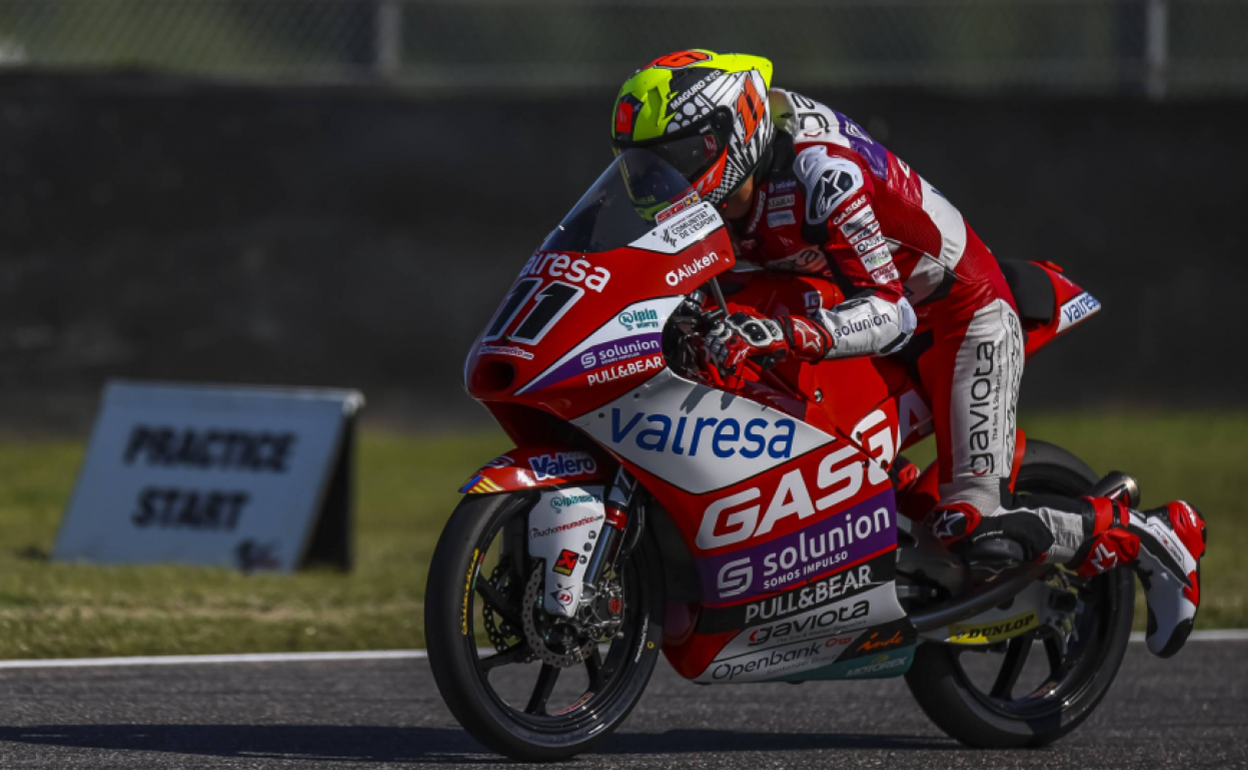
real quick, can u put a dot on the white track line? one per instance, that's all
(1214, 635)
(186, 660)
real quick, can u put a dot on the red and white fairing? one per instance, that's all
(780, 490)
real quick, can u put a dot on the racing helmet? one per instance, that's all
(703, 112)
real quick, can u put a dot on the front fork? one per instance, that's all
(617, 503)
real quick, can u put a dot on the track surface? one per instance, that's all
(1188, 712)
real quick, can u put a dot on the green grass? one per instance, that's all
(407, 486)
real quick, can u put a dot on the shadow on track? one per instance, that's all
(432, 745)
(703, 741)
(335, 743)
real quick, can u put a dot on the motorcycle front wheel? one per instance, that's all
(518, 681)
(1034, 688)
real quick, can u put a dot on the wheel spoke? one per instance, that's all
(541, 692)
(513, 654)
(593, 665)
(498, 602)
(1012, 667)
(1053, 649)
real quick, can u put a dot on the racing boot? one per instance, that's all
(1047, 532)
(1005, 539)
(1164, 546)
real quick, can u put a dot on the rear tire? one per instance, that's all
(451, 611)
(951, 699)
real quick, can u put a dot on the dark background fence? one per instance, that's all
(164, 227)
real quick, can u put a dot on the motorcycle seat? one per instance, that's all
(1032, 289)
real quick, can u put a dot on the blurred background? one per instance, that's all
(338, 192)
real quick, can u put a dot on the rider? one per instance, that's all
(805, 189)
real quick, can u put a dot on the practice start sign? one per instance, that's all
(255, 478)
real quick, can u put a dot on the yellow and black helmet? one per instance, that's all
(703, 112)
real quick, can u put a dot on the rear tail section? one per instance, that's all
(1049, 303)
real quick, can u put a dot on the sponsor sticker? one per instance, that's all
(995, 631)
(566, 501)
(691, 199)
(642, 318)
(831, 588)
(876, 258)
(695, 89)
(781, 201)
(720, 437)
(562, 465)
(504, 350)
(692, 224)
(768, 664)
(861, 531)
(690, 269)
(567, 267)
(830, 619)
(678, 231)
(1075, 310)
(878, 640)
(535, 533)
(881, 664)
(870, 229)
(781, 218)
(856, 206)
(671, 428)
(630, 369)
(886, 274)
(566, 562)
(468, 581)
(600, 355)
(858, 614)
(871, 242)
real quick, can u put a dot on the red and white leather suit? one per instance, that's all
(837, 204)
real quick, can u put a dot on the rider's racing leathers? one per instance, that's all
(837, 204)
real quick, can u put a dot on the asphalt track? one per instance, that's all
(1188, 712)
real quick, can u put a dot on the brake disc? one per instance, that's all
(556, 644)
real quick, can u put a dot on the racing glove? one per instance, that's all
(746, 334)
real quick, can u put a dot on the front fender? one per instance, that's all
(533, 467)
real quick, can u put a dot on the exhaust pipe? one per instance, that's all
(1117, 484)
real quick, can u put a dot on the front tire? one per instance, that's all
(460, 589)
(943, 676)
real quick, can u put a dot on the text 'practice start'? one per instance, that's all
(190, 448)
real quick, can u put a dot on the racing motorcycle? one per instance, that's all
(760, 530)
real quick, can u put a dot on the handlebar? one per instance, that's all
(698, 322)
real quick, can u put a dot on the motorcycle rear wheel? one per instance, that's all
(505, 714)
(947, 680)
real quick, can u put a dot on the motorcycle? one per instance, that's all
(763, 530)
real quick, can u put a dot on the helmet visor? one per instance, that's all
(691, 156)
(692, 151)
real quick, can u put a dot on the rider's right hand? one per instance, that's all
(741, 336)
(746, 335)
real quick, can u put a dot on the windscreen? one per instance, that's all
(636, 192)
